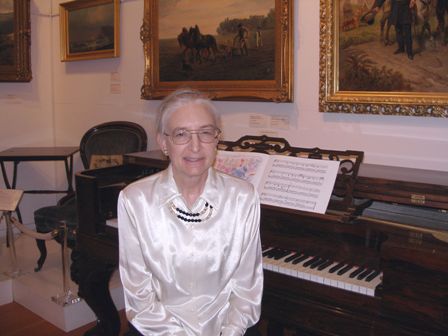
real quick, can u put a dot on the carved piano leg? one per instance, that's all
(92, 277)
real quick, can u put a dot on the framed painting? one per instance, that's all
(15, 41)
(231, 49)
(90, 29)
(384, 57)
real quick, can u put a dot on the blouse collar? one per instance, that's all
(169, 190)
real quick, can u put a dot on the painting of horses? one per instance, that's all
(218, 44)
(15, 63)
(388, 51)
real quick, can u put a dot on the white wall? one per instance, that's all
(64, 99)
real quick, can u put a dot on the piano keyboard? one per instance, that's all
(343, 275)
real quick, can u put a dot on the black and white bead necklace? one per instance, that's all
(192, 217)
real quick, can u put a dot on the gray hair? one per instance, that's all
(183, 97)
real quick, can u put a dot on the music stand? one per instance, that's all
(9, 200)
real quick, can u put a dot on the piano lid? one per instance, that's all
(417, 206)
(402, 192)
(418, 216)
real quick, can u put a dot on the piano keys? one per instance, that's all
(322, 270)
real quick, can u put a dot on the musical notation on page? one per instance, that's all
(284, 181)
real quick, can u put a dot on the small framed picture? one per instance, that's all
(90, 29)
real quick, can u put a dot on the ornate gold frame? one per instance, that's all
(278, 90)
(65, 9)
(383, 103)
(20, 70)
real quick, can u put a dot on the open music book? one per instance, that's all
(284, 181)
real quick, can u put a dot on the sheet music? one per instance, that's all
(248, 166)
(299, 183)
(284, 181)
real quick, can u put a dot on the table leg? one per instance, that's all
(5, 176)
(69, 173)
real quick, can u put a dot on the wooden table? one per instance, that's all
(19, 154)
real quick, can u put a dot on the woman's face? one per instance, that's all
(194, 158)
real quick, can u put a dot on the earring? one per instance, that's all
(165, 152)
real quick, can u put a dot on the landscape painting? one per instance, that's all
(391, 57)
(15, 40)
(219, 43)
(7, 38)
(228, 47)
(89, 29)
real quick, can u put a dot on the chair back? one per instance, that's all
(104, 145)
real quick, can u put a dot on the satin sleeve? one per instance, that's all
(143, 309)
(247, 286)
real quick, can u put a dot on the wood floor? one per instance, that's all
(16, 320)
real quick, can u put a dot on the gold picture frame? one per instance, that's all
(344, 26)
(15, 41)
(221, 71)
(90, 29)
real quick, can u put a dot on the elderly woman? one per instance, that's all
(190, 252)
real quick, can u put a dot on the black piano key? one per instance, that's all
(364, 274)
(281, 254)
(271, 253)
(266, 251)
(275, 252)
(325, 265)
(311, 261)
(317, 263)
(291, 258)
(336, 267)
(344, 269)
(300, 259)
(357, 271)
(372, 276)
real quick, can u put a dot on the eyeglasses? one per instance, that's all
(182, 136)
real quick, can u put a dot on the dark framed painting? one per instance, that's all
(231, 49)
(90, 29)
(15, 41)
(384, 57)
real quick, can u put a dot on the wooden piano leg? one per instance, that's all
(92, 277)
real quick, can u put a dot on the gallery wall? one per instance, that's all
(64, 99)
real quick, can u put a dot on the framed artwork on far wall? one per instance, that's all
(373, 61)
(15, 41)
(231, 49)
(90, 29)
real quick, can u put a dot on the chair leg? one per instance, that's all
(43, 254)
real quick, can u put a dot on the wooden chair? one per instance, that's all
(101, 146)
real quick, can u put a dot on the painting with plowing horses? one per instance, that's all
(216, 40)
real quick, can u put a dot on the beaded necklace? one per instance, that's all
(192, 217)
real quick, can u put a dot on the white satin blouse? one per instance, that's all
(190, 278)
